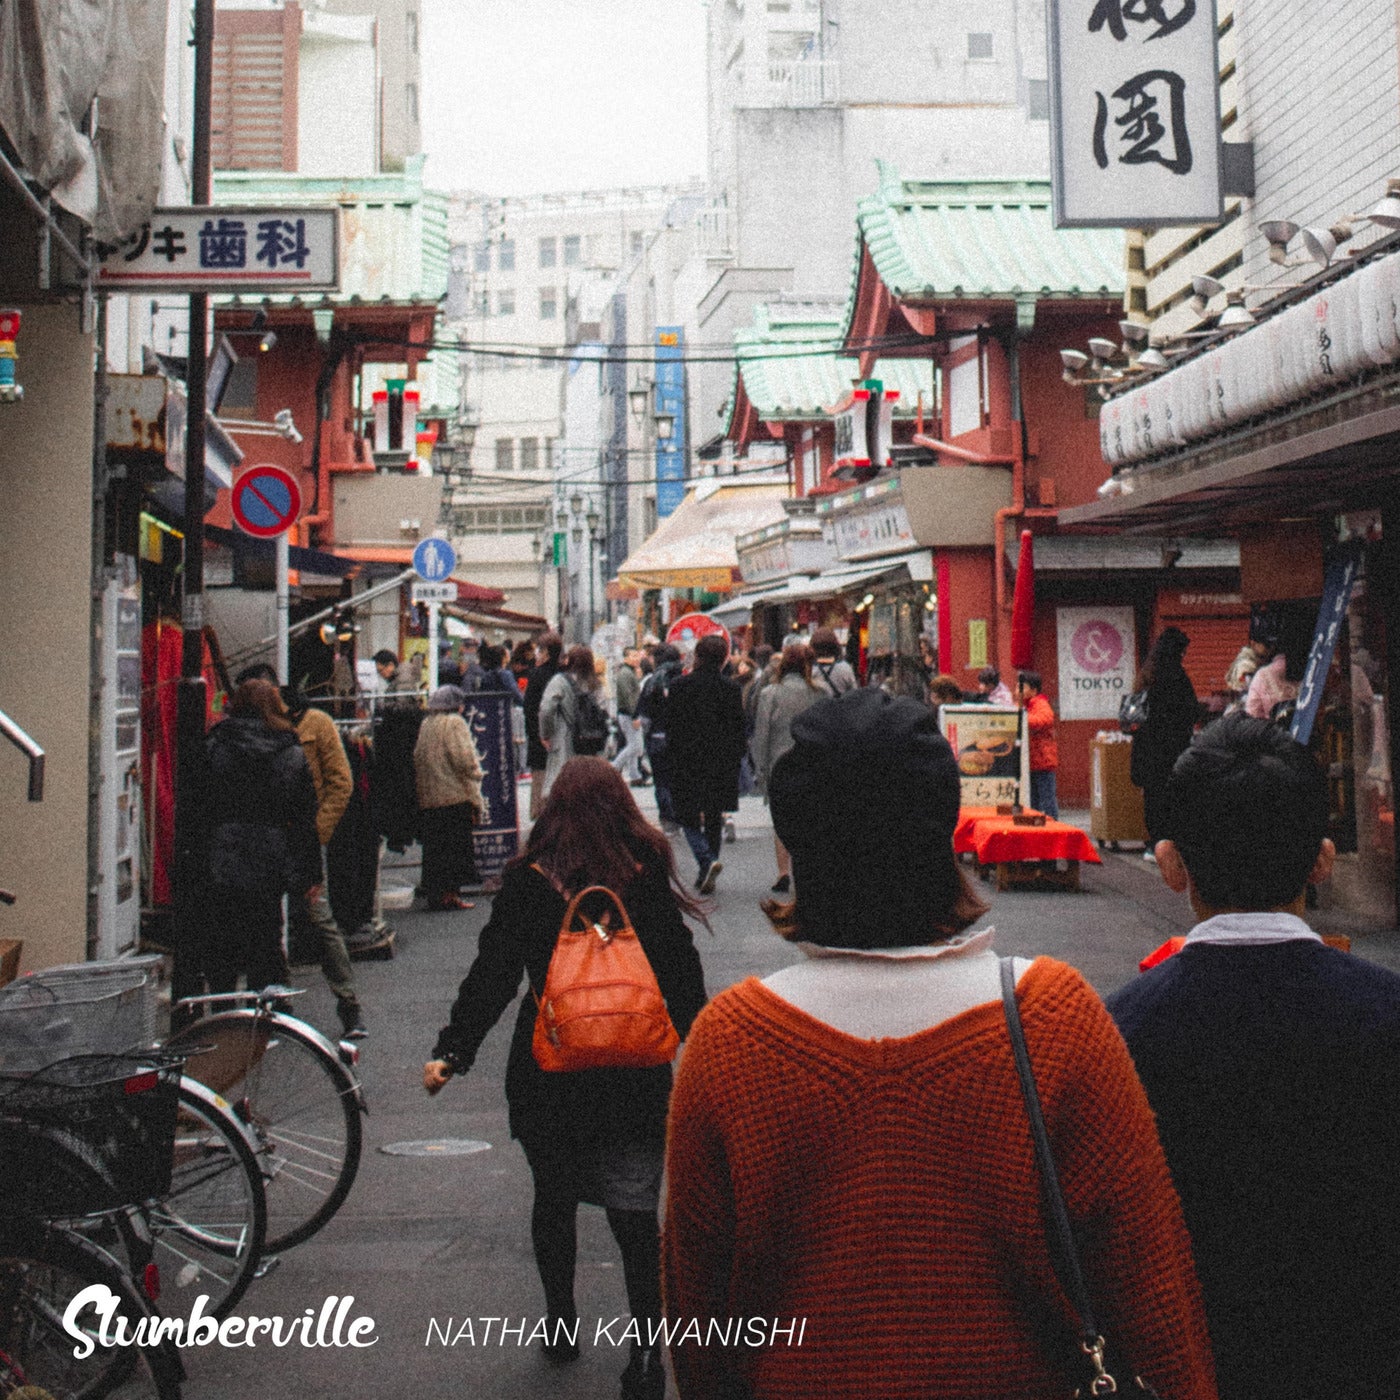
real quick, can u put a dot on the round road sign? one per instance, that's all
(686, 631)
(434, 559)
(266, 500)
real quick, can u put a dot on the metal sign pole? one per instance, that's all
(283, 608)
(189, 732)
(433, 609)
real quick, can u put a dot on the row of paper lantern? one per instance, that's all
(1340, 332)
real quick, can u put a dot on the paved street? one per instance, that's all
(448, 1237)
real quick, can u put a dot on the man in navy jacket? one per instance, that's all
(1272, 1063)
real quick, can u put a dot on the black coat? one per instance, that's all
(1172, 711)
(705, 742)
(610, 1105)
(259, 811)
(536, 755)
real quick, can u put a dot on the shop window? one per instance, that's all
(505, 454)
(979, 46)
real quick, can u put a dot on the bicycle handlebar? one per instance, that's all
(267, 997)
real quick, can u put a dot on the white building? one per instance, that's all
(530, 277)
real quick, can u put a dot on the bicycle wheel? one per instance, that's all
(42, 1268)
(302, 1106)
(208, 1231)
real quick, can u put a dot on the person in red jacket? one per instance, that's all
(1045, 753)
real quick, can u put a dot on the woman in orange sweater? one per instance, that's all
(854, 1208)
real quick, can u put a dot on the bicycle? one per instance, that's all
(296, 1094)
(121, 1112)
(202, 1221)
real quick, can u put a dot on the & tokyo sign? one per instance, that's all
(1098, 657)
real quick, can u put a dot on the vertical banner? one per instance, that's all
(1098, 659)
(1134, 113)
(670, 399)
(497, 839)
(1336, 599)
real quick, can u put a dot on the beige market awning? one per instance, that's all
(694, 546)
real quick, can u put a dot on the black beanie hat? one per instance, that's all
(866, 801)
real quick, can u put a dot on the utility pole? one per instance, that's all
(189, 728)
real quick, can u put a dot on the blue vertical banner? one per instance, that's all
(670, 399)
(1336, 599)
(497, 839)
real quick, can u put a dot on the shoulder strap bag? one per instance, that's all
(1064, 1253)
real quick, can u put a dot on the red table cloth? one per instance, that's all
(995, 839)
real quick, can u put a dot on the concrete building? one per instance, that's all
(530, 279)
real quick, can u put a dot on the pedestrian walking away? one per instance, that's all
(1045, 753)
(549, 648)
(705, 741)
(259, 835)
(1272, 1063)
(778, 705)
(628, 694)
(1172, 712)
(654, 708)
(590, 1136)
(561, 708)
(863, 1105)
(312, 925)
(448, 773)
(830, 670)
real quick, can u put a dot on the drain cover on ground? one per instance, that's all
(436, 1147)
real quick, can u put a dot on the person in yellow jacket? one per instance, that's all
(311, 921)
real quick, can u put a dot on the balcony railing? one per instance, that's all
(713, 236)
(801, 83)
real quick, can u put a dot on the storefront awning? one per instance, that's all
(846, 577)
(694, 546)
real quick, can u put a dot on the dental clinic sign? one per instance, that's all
(1134, 112)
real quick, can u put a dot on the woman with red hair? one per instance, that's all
(594, 1136)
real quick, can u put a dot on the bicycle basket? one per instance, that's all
(93, 1008)
(111, 1114)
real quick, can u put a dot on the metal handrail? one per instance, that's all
(27, 746)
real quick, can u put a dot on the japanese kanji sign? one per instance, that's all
(215, 248)
(1135, 112)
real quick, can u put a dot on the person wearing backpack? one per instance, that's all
(830, 672)
(564, 715)
(595, 1136)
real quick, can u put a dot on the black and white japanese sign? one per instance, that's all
(1135, 112)
(212, 248)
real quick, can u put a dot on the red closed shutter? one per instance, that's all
(1218, 626)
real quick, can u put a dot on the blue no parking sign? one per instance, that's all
(265, 501)
(434, 560)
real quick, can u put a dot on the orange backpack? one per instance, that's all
(601, 1007)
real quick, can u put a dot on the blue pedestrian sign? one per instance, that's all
(434, 560)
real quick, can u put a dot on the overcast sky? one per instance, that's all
(527, 96)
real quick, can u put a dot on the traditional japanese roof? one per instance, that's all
(786, 369)
(936, 241)
(393, 231)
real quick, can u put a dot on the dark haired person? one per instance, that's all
(652, 707)
(1172, 712)
(831, 671)
(549, 649)
(593, 1136)
(705, 743)
(848, 1145)
(559, 709)
(1045, 751)
(1272, 1063)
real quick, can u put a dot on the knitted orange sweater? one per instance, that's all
(885, 1192)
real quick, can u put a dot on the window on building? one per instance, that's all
(529, 454)
(548, 252)
(506, 258)
(410, 29)
(481, 304)
(636, 244)
(549, 303)
(241, 391)
(410, 95)
(505, 302)
(573, 248)
(549, 454)
(481, 257)
(979, 46)
(1038, 100)
(505, 454)
(649, 516)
